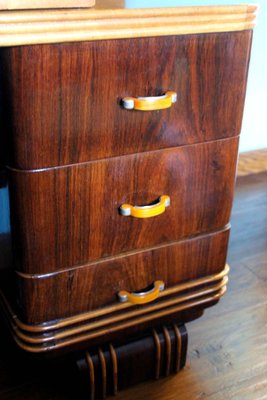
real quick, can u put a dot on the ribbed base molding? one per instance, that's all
(118, 320)
(110, 368)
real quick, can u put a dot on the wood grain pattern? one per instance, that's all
(119, 327)
(114, 367)
(88, 288)
(64, 107)
(69, 216)
(116, 322)
(137, 356)
(117, 21)
(36, 4)
(8, 305)
(168, 350)
(91, 371)
(179, 344)
(103, 372)
(252, 162)
(65, 214)
(227, 360)
(226, 354)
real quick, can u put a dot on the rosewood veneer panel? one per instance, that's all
(63, 100)
(68, 216)
(96, 285)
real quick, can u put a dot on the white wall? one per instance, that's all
(254, 127)
(183, 3)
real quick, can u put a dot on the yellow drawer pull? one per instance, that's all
(146, 211)
(149, 103)
(143, 297)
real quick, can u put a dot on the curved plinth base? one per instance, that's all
(110, 368)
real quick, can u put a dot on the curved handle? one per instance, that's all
(144, 297)
(149, 103)
(146, 211)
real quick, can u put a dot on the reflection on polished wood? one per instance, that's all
(65, 120)
(206, 293)
(60, 235)
(75, 156)
(227, 353)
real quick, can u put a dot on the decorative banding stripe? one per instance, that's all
(205, 301)
(114, 362)
(158, 353)
(63, 323)
(118, 318)
(36, 27)
(123, 256)
(103, 372)
(91, 369)
(168, 350)
(178, 347)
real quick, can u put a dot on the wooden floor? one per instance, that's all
(252, 162)
(227, 358)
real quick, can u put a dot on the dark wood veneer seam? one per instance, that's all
(60, 167)
(123, 255)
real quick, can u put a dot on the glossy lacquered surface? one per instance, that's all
(63, 101)
(97, 285)
(69, 216)
(76, 156)
(213, 335)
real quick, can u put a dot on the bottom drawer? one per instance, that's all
(94, 286)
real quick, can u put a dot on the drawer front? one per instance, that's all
(97, 285)
(62, 217)
(64, 100)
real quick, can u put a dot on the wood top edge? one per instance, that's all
(62, 15)
(59, 26)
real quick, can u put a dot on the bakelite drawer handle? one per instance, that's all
(149, 103)
(143, 297)
(146, 211)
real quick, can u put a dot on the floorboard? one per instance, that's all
(252, 162)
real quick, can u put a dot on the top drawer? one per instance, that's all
(64, 100)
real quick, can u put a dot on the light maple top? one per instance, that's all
(116, 19)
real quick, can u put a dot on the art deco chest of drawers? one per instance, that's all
(121, 132)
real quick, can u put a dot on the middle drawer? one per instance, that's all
(67, 216)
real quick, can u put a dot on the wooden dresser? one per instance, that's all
(121, 131)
